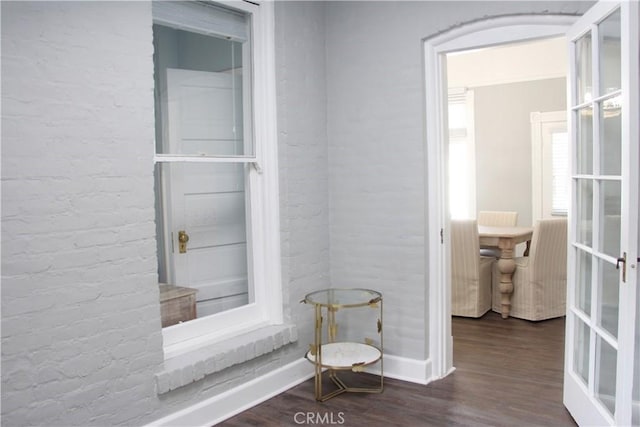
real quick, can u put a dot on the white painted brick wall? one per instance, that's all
(81, 341)
(300, 55)
(80, 316)
(375, 115)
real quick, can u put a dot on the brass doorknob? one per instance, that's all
(183, 238)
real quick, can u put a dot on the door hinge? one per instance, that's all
(442, 235)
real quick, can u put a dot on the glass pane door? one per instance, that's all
(599, 339)
(598, 204)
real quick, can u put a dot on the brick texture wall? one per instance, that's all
(301, 84)
(375, 116)
(81, 336)
(80, 315)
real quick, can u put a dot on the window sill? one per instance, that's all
(194, 365)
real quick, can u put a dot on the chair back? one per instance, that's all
(465, 258)
(548, 254)
(470, 273)
(498, 218)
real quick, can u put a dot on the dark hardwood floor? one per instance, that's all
(508, 373)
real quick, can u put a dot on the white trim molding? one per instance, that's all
(410, 370)
(232, 402)
(225, 405)
(473, 35)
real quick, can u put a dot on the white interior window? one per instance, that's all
(216, 168)
(462, 155)
(559, 173)
(550, 164)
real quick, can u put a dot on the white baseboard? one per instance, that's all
(405, 369)
(225, 405)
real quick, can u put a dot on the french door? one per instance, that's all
(601, 385)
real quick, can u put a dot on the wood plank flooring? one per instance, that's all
(508, 373)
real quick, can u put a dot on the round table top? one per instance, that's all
(334, 297)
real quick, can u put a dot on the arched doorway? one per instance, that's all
(473, 35)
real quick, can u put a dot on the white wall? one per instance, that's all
(509, 82)
(503, 142)
(80, 315)
(303, 154)
(81, 335)
(377, 150)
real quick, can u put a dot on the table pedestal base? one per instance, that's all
(506, 266)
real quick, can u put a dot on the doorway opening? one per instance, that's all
(497, 96)
(478, 35)
(496, 164)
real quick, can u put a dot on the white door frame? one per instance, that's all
(489, 32)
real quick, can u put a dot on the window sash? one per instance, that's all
(232, 22)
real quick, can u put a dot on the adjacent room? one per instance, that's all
(508, 167)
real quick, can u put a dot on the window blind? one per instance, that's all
(461, 153)
(560, 173)
(458, 111)
(202, 18)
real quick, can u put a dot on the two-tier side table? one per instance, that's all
(331, 351)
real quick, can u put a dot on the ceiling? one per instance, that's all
(536, 60)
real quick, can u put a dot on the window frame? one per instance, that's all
(264, 228)
(543, 124)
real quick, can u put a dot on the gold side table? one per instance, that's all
(340, 352)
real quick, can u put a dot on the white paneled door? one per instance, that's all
(602, 317)
(207, 201)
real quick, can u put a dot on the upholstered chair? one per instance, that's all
(496, 219)
(539, 280)
(470, 273)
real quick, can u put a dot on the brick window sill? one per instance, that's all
(194, 365)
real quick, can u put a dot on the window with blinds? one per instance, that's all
(549, 164)
(462, 161)
(559, 173)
